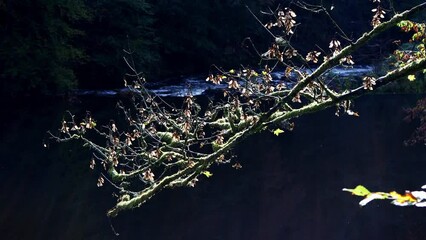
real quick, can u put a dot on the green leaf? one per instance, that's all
(207, 173)
(278, 131)
(411, 77)
(359, 191)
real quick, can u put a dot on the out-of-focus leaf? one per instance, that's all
(403, 200)
(371, 197)
(359, 191)
(409, 198)
(419, 195)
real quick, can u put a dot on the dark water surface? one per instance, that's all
(289, 186)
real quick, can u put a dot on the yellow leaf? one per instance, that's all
(359, 191)
(207, 173)
(278, 131)
(407, 197)
(232, 71)
(411, 77)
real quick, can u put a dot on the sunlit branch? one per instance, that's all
(162, 146)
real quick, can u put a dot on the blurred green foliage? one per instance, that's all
(37, 48)
(47, 45)
(51, 46)
(116, 26)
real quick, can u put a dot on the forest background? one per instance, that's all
(53, 46)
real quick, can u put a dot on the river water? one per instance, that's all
(289, 186)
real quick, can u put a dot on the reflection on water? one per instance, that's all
(289, 186)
